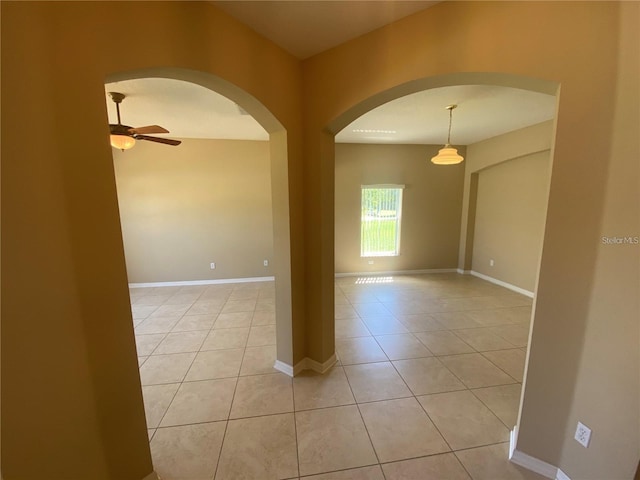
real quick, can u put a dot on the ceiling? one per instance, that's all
(305, 28)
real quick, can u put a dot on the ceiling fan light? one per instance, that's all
(123, 142)
(447, 156)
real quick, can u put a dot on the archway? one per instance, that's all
(279, 189)
(493, 79)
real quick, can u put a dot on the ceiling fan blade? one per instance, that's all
(148, 129)
(166, 141)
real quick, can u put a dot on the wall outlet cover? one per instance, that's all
(583, 434)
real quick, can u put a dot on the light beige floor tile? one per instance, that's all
(194, 322)
(510, 361)
(376, 381)
(262, 335)
(445, 467)
(237, 295)
(259, 448)
(343, 312)
(181, 342)
(427, 375)
(399, 347)
(234, 320)
(399, 429)
(443, 343)
(157, 399)
(517, 334)
(511, 300)
(384, 325)
(483, 339)
(463, 420)
(205, 307)
(314, 390)
(225, 338)
(200, 402)
(361, 297)
(258, 360)
(156, 325)
(182, 298)
(267, 306)
(495, 316)
(156, 300)
(188, 452)
(475, 371)
(263, 318)
(146, 344)
(170, 310)
(233, 306)
(340, 299)
(141, 360)
(192, 289)
(150, 433)
(352, 327)
(332, 439)
(359, 350)
(420, 323)
(503, 401)
(142, 311)
(215, 364)
(165, 368)
(456, 320)
(364, 473)
(262, 395)
(375, 309)
(492, 463)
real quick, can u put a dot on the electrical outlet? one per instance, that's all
(370, 262)
(212, 265)
(491, 262)
(266, 263)
(583, 435)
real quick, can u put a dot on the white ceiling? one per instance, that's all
(306, 27)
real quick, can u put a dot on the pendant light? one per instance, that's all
(447, 154)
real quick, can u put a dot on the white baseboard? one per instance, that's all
(152, 476)
(534, 464)
(396, 272)
(502, 284)
(306, 364)
(463, 272)
(531, 463)
(202, 282)
(284, 368)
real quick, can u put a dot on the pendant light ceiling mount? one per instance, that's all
(448, 155)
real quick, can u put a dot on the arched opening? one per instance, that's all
(459, 323)
(244, 184)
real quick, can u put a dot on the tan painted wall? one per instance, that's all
(575, 53)
(69, 369)
(493, 151)
(432, 203)
(511, 207)
(185, 207)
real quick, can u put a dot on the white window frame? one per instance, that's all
(398, 218)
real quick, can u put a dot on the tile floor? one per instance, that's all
(427, 385)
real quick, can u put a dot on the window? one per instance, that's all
(380, 220)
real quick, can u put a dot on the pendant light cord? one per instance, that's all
(450, 119)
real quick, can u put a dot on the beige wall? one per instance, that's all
(511, 207)
(182, 208)
(62, 242)
(431, 206)
(65, 308)
(575, 55)
(493, 151)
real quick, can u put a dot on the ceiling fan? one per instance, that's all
(124, 137)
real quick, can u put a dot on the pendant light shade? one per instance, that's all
(448, 155)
